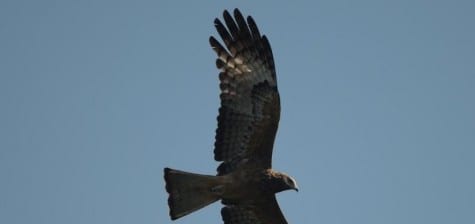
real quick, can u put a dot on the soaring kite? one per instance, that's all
(247, 124)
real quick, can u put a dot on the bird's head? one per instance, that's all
(284, 182)
(291, 183)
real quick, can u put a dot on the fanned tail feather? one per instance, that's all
(188, 192)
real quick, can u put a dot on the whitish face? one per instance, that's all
(291, 183)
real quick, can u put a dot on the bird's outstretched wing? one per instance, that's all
(250, 106)
(266, 212)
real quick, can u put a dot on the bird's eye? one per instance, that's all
(290, 181)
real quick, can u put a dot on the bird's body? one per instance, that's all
(245, 187)
(262, 183)
(247, 124)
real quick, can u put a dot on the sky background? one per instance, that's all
(97, 97)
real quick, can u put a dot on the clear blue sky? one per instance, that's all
(97, 97)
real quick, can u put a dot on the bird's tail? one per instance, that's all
(189, 192)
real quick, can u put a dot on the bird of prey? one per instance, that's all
(247, 124)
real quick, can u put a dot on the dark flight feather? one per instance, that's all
(250, 106)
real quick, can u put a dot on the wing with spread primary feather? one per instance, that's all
(250, 105)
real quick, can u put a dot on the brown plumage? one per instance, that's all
(247, 123)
